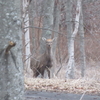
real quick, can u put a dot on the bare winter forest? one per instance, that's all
(75, 52)
(49, 45)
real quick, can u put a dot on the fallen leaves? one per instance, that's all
(60, 85)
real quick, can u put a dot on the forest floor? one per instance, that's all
(73, 88)
(60, 89)
(87, 86)
(90, 84)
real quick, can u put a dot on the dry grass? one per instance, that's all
(90, 84)
(72, 86)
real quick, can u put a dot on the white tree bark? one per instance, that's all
(25, 15)
(70, 66)
(69, 23)
(11, 66)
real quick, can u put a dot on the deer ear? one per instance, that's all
(44, 39)
(55, 38)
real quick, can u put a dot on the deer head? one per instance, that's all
(48, 41)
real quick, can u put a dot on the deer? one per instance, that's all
(44, 62)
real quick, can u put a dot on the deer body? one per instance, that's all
(45, 62)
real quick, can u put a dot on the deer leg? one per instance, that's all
(42, 69)
(48, 70)
(42, 73)
(35, 74)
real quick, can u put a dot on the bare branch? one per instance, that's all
(10, 45)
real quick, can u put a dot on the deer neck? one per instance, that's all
(48, 51)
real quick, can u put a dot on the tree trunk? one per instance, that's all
(70, 66)
(69, 23)
(82, 46)
(56, 23)
(33, 42)
(25, 16)
(32, 14)
(11, 71)
(47, 22)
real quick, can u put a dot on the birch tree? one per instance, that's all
(25, 16)
(70, 66)
(11, 71)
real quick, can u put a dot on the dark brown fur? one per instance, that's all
(44, 62)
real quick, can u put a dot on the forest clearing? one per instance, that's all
(50, 47)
